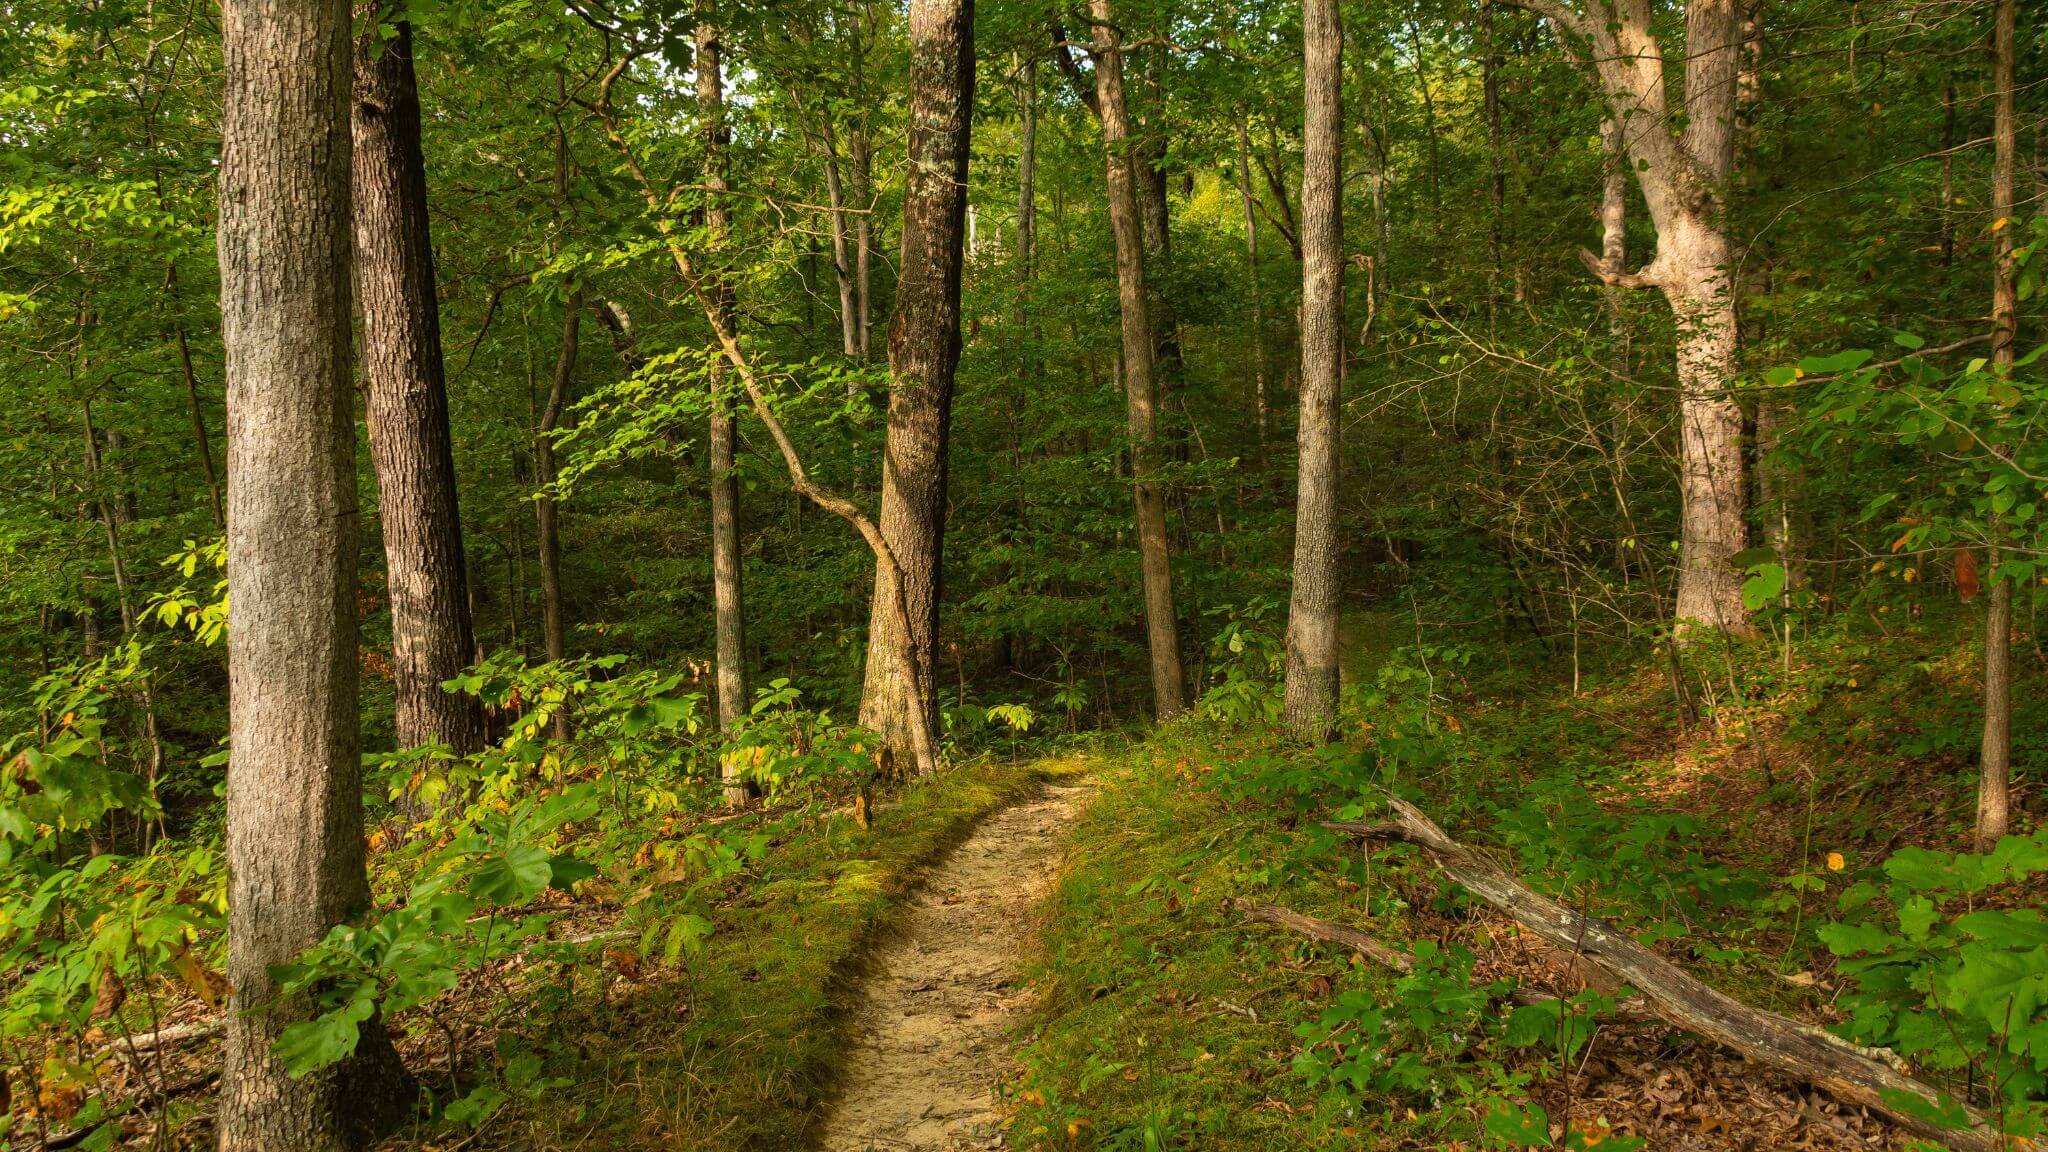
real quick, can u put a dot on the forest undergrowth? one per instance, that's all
(1172, 1021)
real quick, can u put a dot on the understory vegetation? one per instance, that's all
(1792, 847)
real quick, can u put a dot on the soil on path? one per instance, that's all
(931, 1034)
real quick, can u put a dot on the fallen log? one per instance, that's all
(1630, 1009)
(1845, 1071)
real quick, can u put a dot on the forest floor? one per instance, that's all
(1169, 1021)
(942, 997)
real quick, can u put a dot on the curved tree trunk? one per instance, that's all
(407, 399)
(295, 820)
(1312, 648)
(924, 348)
(1141, 399)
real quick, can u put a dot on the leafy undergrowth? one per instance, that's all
(736, 1047)
(1737, 845)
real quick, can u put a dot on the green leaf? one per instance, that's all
(564, 871)
(327, 1039)
(512, 876)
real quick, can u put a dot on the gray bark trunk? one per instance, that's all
(924, 349)
(1684, 181)
(1312, 645)
(406, 394)
(294, 821)
(1141, 401)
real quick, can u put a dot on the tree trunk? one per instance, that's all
(1994, 761)
(1169, 696)
(1027, 170)
(406, 397)
(1312, 647)
(924, 348)
(727, 600)
(842, 260)
(1684, 183)
(546, 514)
(1260, 403)
(863, 231)
(294, 819)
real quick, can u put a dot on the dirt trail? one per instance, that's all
(931, 1034)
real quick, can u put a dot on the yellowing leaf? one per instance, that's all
(207, 984)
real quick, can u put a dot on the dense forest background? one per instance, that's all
(1515, 494)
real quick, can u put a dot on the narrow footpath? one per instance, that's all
(932, 1032)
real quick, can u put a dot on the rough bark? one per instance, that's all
(1684, 179)
(1994, 759)
(1850, 1073)
(406, 398)
(727, 597)
(924, 348)
(1310, 699)
(294, 819)
(1141, 401)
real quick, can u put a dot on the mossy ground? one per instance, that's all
(737, 1047)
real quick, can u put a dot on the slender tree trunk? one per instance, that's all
(1169, 696)
(842, 260)
(1994, 802)
(727, 597)
(1027, 170)
(546, 513)
(863, 230)
(1497, 180)
(924, 348)
(405, 389)
(1260, 403)
(294, 820)
(1312, 616)
(200, 439)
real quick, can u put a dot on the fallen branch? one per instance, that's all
(1848, 1072)
(1627, 1009)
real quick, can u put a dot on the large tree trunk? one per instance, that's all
(1994, 761)
(407, 400)
(1141, 400)
(294, 821)
(1312, 647)
(924, 348)
(1684, 183)
(727, 601)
